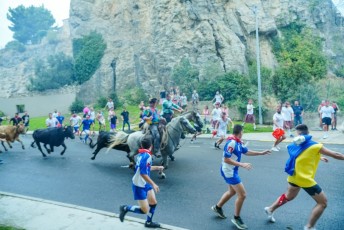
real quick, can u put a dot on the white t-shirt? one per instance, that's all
(183, 100)
(250, 109)
(216, 113)
(75, 121)
(51, 123)
(222, 129)
(54, 115)
(278, 118)
(326, 111)
(218, 98)
(109, 104)
(287, 113)
(92, 115)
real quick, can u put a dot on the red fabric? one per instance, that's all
(278, 133)
(232, 137)
(282, 200)
(145, 151)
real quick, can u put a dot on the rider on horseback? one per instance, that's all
(151, 117)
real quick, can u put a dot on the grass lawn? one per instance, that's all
(39, 122)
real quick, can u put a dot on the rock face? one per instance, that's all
(147, 38)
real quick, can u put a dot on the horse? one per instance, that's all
(170, 138)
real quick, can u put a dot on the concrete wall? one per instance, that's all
(38, 105)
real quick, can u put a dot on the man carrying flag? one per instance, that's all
(301, 166)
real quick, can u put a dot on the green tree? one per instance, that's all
(185, 76)
(29, 23)
(88, 52)
(57, 72)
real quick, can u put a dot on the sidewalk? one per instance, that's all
(38, 214)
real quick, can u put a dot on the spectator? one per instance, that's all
(109, 104)
(327, 114)
(206, 114)
(51, 122)
(15, 120)
(320, 118)
(113, 122)
(125, 117)
(195, 98)
(92, 115)
(298, 113)
(142, 106)
(55, 113)
(336, 109)
(183, 101)
(218, 98)
(225, 110)
(176, 99)
(26, 121)
(86, 111)
(249, 118)
(1, 120)
(101, 121)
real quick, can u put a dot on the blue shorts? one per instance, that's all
(76, 129)
(231, 180)
(141, 193)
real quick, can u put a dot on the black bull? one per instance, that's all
(104, 141)
(52, 137)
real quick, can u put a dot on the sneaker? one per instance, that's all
(278, 147)
(152, 224)
(217, 146)
(122, 212)
(274, 149)
(218, 211)
(270, 215)
(239, 223)
(307, 228)
(325, 136)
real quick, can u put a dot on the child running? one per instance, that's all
(232, 153)
(221, 128)
(143, 186)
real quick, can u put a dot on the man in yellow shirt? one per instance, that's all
(302, 165)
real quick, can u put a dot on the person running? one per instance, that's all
(113, 122)
(302, 165)
(15, 120)
(336, 109)
(86, 125)
(75, 122)
(278, 124)
(327, 114)
(143, 186)
(298, 113)
(249, 118)
(221, 128)
(26, 121)
(218, 98)
(288, 114)
(216, 115)
(51, 122)
(60, 119)
(168, 107)
(231, 162)
(151, 117)
(125, 117)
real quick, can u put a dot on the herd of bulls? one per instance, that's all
(55, 137)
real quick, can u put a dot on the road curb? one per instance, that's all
(82, 208)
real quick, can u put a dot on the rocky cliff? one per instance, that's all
(147, 38)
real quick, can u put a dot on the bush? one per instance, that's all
(116, 101)
(134, 96)
(77, 106)
(15, 46)
(88, 52)
(2, 114)
(101, 102)
(56, 73)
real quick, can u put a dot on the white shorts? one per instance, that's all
(221, 132)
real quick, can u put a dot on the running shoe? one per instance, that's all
(218, 211)
(325, 136)
(274, 149)
(237, 221)
(270, 215)
(278, 147)
(152, 225)
(122, 211)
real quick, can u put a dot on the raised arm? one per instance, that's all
(257, 153)
(331, 153)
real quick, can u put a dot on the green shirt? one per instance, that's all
(167, 106)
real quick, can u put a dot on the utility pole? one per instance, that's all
(113, 66)
(255, 10)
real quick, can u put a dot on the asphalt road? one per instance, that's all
(192, 186)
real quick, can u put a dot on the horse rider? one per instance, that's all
(168, 107)
(151, 117)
